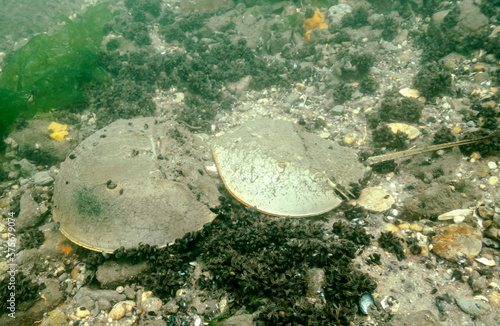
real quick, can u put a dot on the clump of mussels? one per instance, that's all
(262, 262)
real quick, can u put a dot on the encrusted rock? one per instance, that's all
(457, 240)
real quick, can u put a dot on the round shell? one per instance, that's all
(134, 181)
(279, 169)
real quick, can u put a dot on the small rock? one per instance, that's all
(337, 110)
(336, 13)
(374, 199)
(129, 292)
(111, 274)
(492, 165)
(56, 317)
(171, 307)
(120, 309)
(457, 240)
(239, 320)
(495, 299)
(493, 180)
(239, 87)
(104, 304)
(150, 303)
(29, 215)
(43, 178)
(416, 227)
(418, 318)
(473, 307)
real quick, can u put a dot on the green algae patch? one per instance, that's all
(50, 70)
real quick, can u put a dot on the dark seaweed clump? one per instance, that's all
(384, 137)
(444, 135)
(263, 262)
(394, 109)
(356, 19)
(389, 27)
(32, 238)
(432, 81)
(392, 243)
(342, 92)
(384, 167)
(25, 290)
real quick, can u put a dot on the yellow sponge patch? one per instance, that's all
(59, 131)
(316, 21)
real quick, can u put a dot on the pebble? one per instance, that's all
(337, 110)
(120, 309)
(473, 307)
(493, 180)
(416, 227)
(391, 227)
(492, 165)
(151, 303)
(495, 299)
(42, 178)
(457, 240)
(374, 199)
(350, 138)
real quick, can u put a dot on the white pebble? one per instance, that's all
(492, 165)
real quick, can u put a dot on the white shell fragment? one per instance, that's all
(279, 169)
(486, 261)
(374, 199)
(409, 92)
(455, 214)
(410, 131)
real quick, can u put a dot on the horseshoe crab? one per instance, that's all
(134, 181)
(280, 169)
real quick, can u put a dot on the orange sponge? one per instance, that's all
(316, 21)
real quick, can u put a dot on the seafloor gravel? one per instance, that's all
(418, 246)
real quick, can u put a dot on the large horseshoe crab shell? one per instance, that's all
(280, 169)
(135, 181)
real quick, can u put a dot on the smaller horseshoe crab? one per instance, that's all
(280, 169)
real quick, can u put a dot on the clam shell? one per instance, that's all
(365, 301)
(410, 131)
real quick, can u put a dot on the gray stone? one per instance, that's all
(26, 169)
(43, 178)
(84, 294)
(239, 320)
(438, 17)
(336, 13)
(337, 110)
(418, 318)
(129, 292)
(104, 304)
(34, 138)
(27, 312)
(112, 274)
(471, 19)
(56, 317)
(473, 307)
(29, 215)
